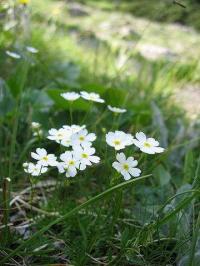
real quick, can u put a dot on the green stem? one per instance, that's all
(73, 212)
(6, 197)
(71, 115)
(194, 242)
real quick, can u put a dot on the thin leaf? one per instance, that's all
(73, 212)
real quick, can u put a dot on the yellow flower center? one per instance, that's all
(71, 162)
(81, 138)
(117, 142)
(147, 145)
(84, 155)
(45, 158)
(24, 2)
(125, 166)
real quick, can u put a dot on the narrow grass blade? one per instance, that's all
(73, 212)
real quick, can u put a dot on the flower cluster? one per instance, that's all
(80, 155)
(92, 96)
(119, 140)
(36, 129)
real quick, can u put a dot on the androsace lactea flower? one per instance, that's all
(95, 97)
(119, 139)
(85, 155)
(70, 96)
(147, 145)
(83, 138)
(43, 158)
(69, 164)
(31, 49)
(64, 134)
(126, 166)
(57, 134)
(34, 169)
(116, 109)
(13, 55)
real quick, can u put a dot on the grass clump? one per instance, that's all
(79, 199)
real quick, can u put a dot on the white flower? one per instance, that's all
(58, 134)
(69, 164)
(85, 155)
(43, 158)
(116, 109)
(126, 166)
(35, 125)
(74, 128)
(70, 96)
(147, 145)
(119, 139)
(95, 97)
(82, 138)
(32, 50)
(13, 55)
(34, 169)
(70, 130)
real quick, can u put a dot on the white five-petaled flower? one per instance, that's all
(147, 145)
(85, 155)
(126, 166)
(69, 164)
(34, 169)
(116, 109)
(82, 138)
(70, 130)
(31, 49)
(43, 158)
(70, 96)
(13, 55)
(57, 134)
(74, 128)
(119, 139)
(95, 97)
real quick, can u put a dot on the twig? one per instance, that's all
(30, 207)
(179, 4)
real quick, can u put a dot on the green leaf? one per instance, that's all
(162, 175)
(7, 103)
(159, 123)
(115, 96)
(60, 102)
(17, 80)
(188, 167)
(73, 212)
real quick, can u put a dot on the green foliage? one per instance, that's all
(86, 220)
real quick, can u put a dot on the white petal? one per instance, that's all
(82, 166)
(153, 142)
(131, 162)
(137, 143)
(121, 157)
(158, 149)
(41, 152)
(35, 156)
(91, 137)
(72, 171)
(141, 136)
(117, 166)
(126, 175)
(135, 172)
(94, 159)
(147, 150)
